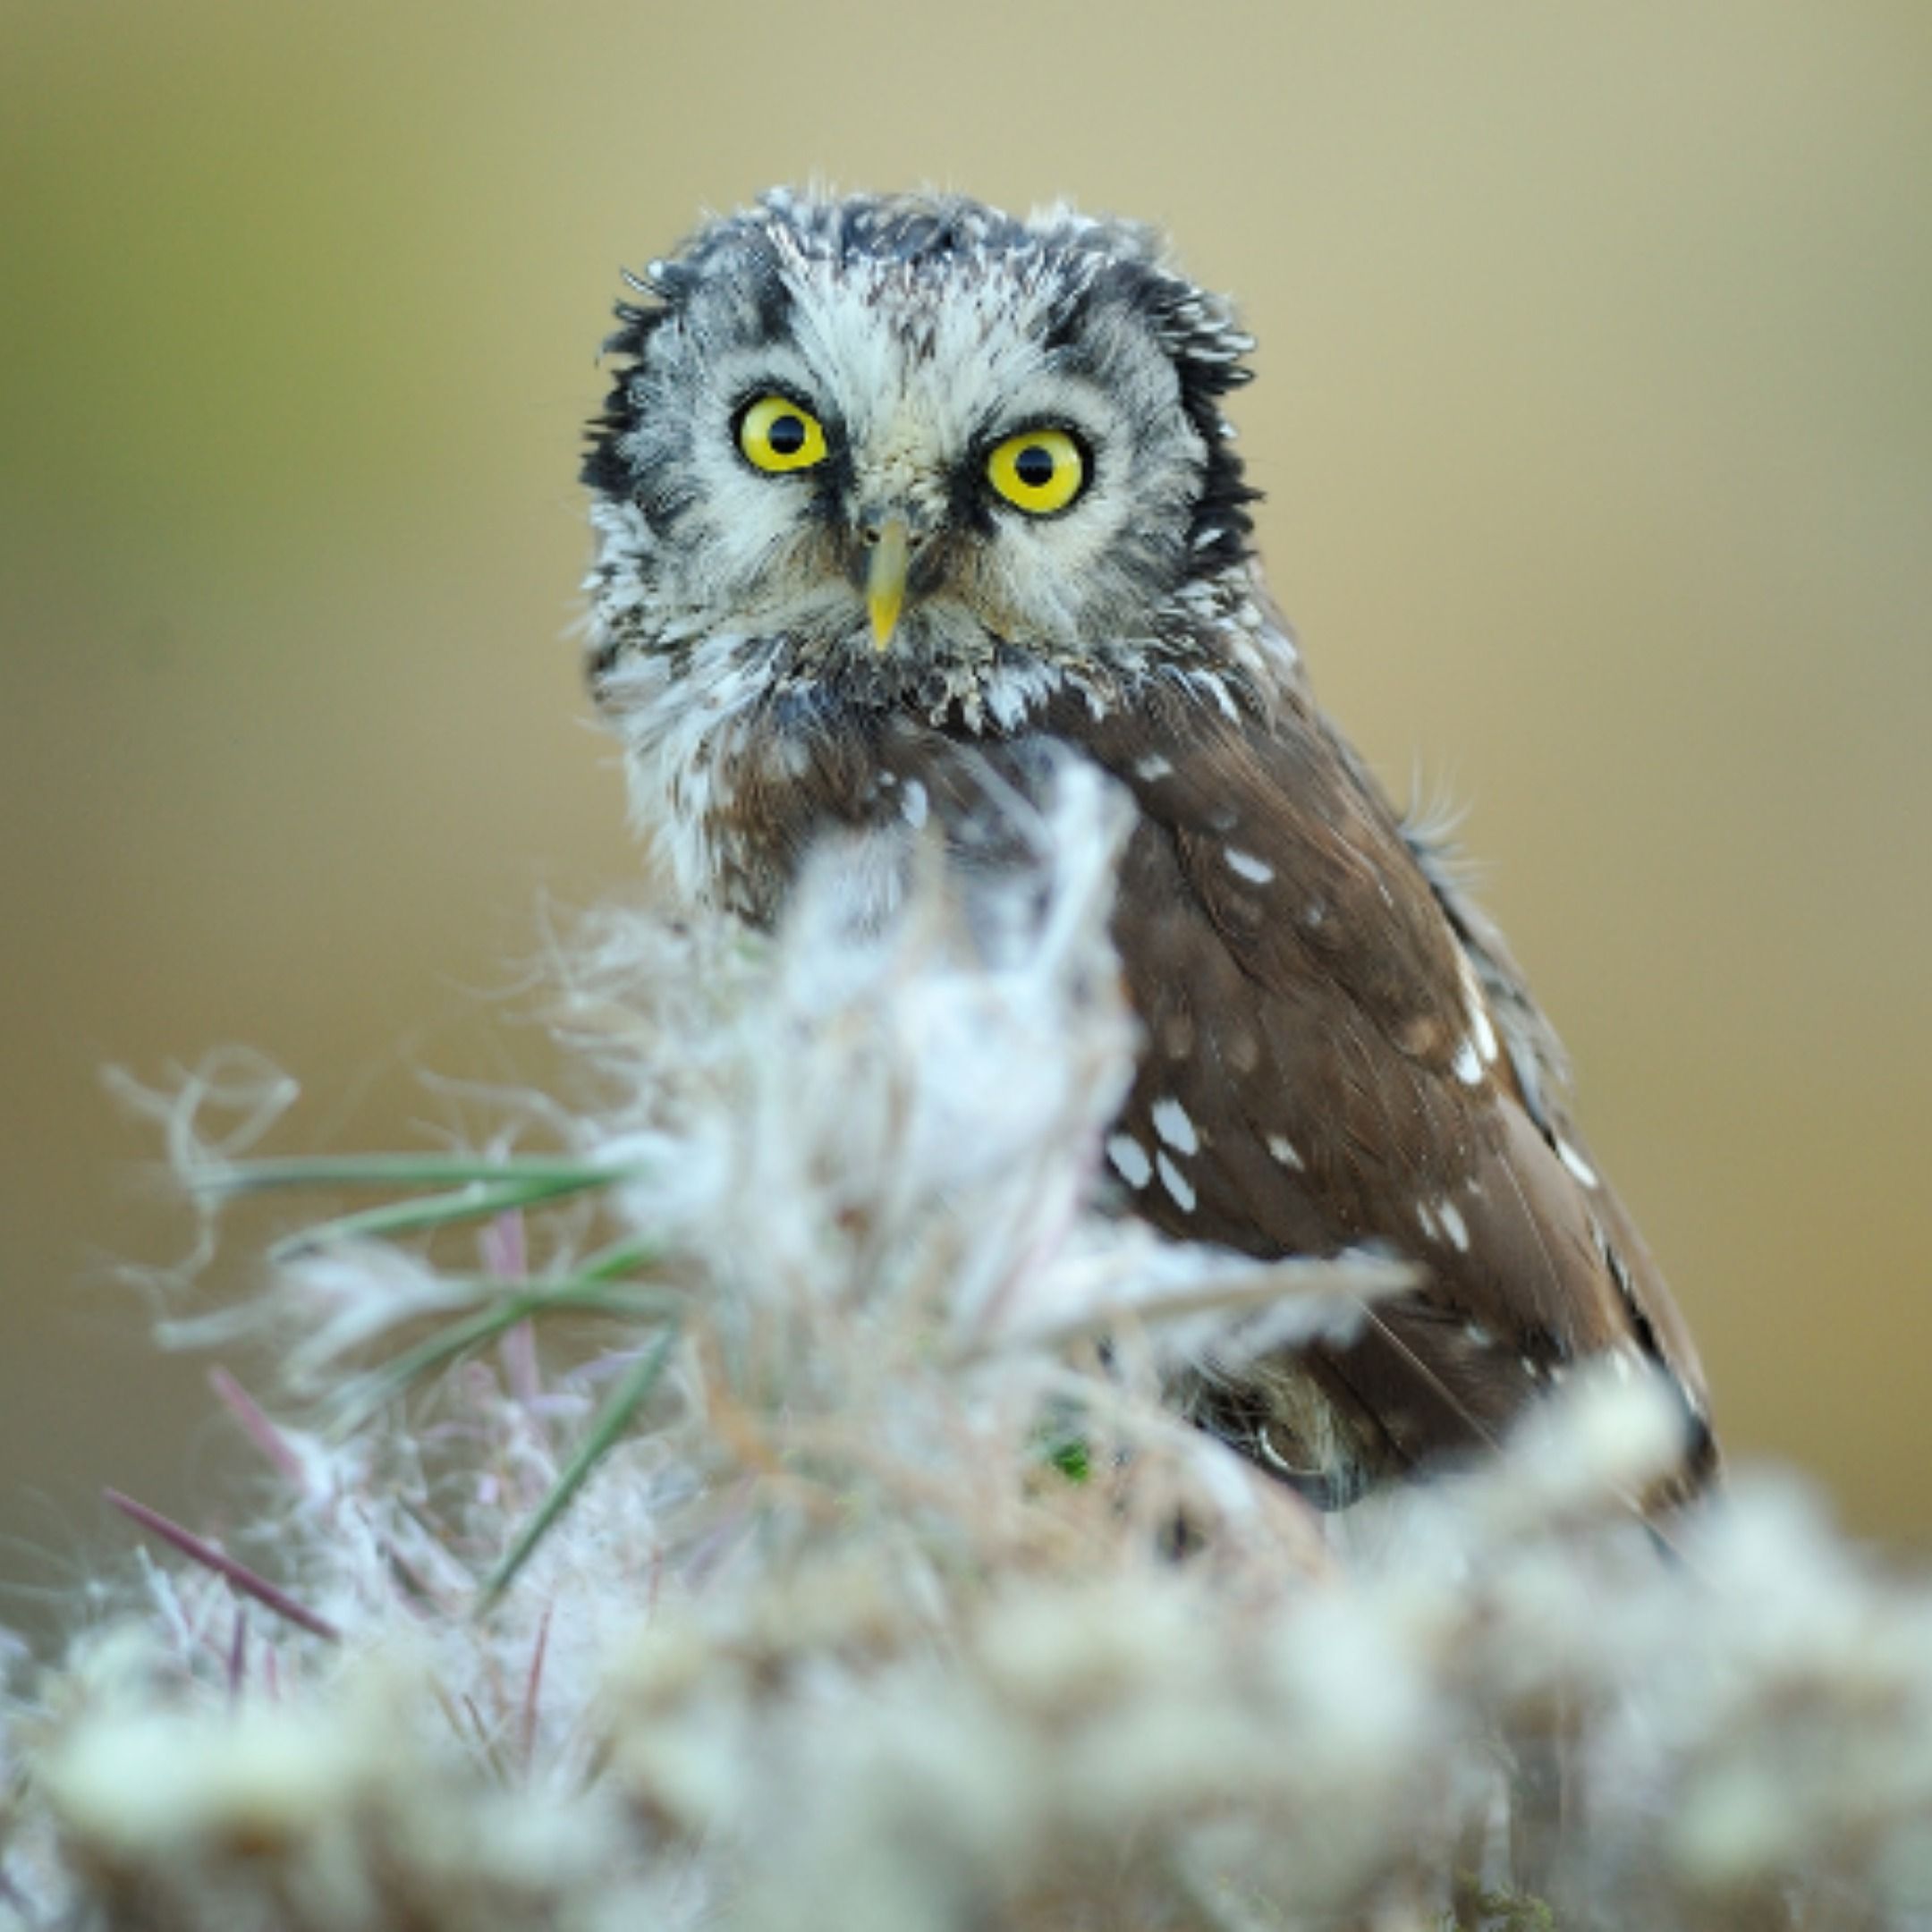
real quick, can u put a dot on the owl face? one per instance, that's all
(901, 436)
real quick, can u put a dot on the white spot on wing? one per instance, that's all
(1426, 1220)
(1128, 1159)
(1176, 1183)
(913, 804)
(1453, 1225)
(1152, 767)
(1467, 1063)
(1172, 1123)
(1486, 1039)
(1250, 867)
(1284, 1150)
(1576, 1163)
(1478, 1009)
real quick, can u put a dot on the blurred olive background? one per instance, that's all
(1595, 419)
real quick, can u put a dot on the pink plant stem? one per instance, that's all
(238, 1657)
(505, 1243)
(505, 1246)
(533, 1689)
(258, 1429)
(248, 1581)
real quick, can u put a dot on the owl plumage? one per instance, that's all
(900, 501)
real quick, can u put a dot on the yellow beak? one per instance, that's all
(886, 580)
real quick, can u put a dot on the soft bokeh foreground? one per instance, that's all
(895, 1602)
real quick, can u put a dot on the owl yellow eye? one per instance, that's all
(777, 435)
(1038, 471)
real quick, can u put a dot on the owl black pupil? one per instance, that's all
(1034, 466)
(786, 436)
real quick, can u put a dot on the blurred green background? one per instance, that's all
(1595, 417)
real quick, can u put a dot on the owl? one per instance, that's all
(899, 497)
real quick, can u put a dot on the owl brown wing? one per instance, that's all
(1340, 1052)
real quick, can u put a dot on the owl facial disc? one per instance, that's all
(1038, 400)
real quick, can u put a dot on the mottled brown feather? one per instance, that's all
(1309, 980)
(1317, 985)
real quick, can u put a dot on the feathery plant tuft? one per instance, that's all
(771, 1506)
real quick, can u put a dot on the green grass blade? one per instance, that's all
(619, 1259)
(509, 1303)
(626, 1399)
(403, 1170)
(478, 1202)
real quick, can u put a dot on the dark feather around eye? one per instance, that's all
(1203, 348)
(768, 300)
(1193, 331)
(604, 466)
(1221, 507)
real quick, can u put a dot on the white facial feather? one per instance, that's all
(919, 378)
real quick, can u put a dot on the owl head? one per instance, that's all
(894, 443)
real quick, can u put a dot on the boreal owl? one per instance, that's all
(898, 495)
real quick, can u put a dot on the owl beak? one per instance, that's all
(885, 577)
